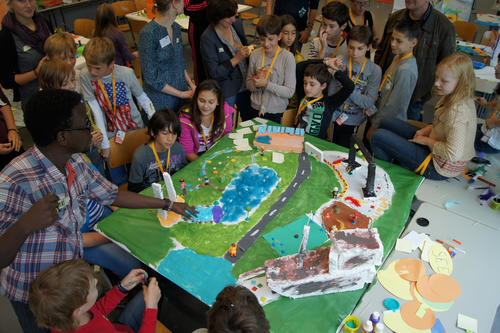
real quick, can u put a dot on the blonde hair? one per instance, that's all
(58, 291)
(53, 73)
(99, 50)
(60, 43)
(460, 66)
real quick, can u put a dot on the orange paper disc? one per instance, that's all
(410, 269)
(417, 317)
(445, 286)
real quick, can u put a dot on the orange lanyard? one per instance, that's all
(352, 17)
(158, 159)
(394, 64)
(337, 47)
(493, 114)
(357, 77)
(112, 106)
(209, 133)
(272, 63)
(302, 106)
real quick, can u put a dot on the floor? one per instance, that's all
(7, 317)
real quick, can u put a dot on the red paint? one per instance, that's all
(353, 201)
(339, 161)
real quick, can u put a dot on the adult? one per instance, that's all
(165, 79)
(10, 140)
(360, 15)
(225, 53)
(44, 194)
(197, 12)
(303, 11)
(435, 42)
(23, 34)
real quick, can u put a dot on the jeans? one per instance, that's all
(414, 109)
(481, 146)
(112, 257)
(26, 318)
(131, 316)
(390, 143)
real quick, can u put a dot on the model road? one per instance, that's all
(303, 171)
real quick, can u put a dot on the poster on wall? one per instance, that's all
(457, 10)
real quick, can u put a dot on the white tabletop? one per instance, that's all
(438, 193)
(486, 81)
(476, 271)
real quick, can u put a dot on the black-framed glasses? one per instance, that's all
(88, 127)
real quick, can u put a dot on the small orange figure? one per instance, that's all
(233, 249)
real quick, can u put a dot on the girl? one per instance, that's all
(449, 140)
(207, 119)
(57, 74)
(289, 39)
(106, 26)
(488, 134)
(161, 154)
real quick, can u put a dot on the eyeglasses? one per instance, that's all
(362, 4)
(88, 127)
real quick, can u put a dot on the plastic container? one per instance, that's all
(352, 324)
(367, 327)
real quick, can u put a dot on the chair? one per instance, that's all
(84, 27)
(140, 4)
(289, 118)
(122, 8)
(121, 155)
(465, 30)
(137, 25)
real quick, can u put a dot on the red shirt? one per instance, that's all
(104, 306)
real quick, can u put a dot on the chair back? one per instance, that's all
(137, 25)
(122, 8)
(84, 27)
(121, 154)
(140, 4)
(465, 30)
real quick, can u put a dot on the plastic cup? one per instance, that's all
(351, 321)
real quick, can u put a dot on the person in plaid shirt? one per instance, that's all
(44, 194)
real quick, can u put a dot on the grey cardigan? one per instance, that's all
(217, 60)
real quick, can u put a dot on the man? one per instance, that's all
(44, 194)
(436, 42)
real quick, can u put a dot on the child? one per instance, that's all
(108, 88)
(449, 141)
(330, 42)
(207, 119)
(57, 74)
(488, 134)
(360, 15)
(289, 40)
(366, 77)
(399, 79)
(271, 73)
(64, 298)
(315, 110)
(106, 26)
(161, 154)
(61, 45)
(236, 309)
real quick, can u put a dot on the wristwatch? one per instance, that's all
(168, 204)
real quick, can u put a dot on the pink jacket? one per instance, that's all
(189, 133)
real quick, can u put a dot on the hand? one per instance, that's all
(96, 137)
(152, 294)
(188, 94)
(15, 140)
(261, 113)
(304, 36)
(42, 214)
(133, 278)
(190, 83)
(334, 63)
(5, 148)
(481, 101)
(106, 154)
(322, 37)
(182, 208)
(243, 52)
(419, 139)
(492, 122)
(259, 82)
(40, 63)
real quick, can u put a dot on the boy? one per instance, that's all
(61, 45)
(271, 73)
(168, 154)
(315, 111)
(399, 80)
(64, 298)
(330, 42)
(108, 89)
(366, 77)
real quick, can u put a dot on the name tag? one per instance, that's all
(165, 41)
(221, 50)
(26, 48)
(177, 40)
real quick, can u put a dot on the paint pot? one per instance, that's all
(379, 328)
(352, 324)
(495, 203)
(375, 318)
(367, 327)
(391, 304)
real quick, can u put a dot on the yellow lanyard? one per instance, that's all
(337, 47)
(492, 115)
(302, 106)
(394, 64)
(209, 133)
(357, 77)
(352, 17)
(112, 106)
(272, 63)
(158, 159)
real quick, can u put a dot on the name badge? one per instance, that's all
(221, 50)
(26, 48)
(177, 40)
(165, 41)
(119, 137)
(341, 119)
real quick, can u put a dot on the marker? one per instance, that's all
(486, 182)
(451, 246)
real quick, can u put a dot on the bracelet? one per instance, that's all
(168, 204)
(122, 289)
(13, 129)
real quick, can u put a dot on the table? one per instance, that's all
(437, 193)
(488, 19)
(61, 7)
(486, 82)
(140, 233)
(476, 271)
(80, 60)
(182, 20)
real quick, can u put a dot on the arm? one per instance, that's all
(186, 138)
(101, 124)
(454, 144)
(152, 296)
(401, 92)
(209, 50)
(367, 98)
(336, 100)
(93, 239)
(146, 104)
(122, 46)
(13, 134)
(252, 71)
(269, 7)
(305, 34)
(288, 88)
(447, 43)
(138, 92)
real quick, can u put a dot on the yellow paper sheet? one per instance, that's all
(393, 283)
(394, 322)
(440, 259)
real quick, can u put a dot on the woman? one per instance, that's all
(23, 34)
(165, 79)
(225, 53)
(10, 140)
